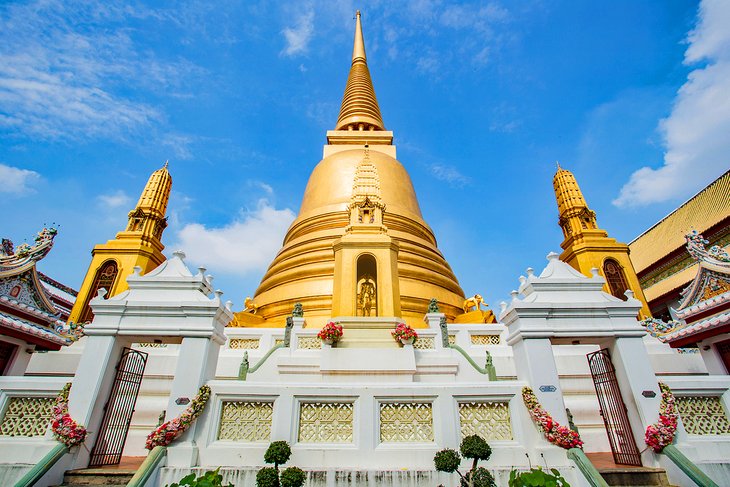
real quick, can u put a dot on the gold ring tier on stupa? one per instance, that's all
(306, 270)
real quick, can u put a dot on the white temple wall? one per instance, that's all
(575, 379)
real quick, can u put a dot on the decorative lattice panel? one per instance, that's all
(153, 345)
(309, 343)
(703, 415)
(246, 421)
(410, 422)
(452, 339)
(278, 341)
(485, 339)
(27, 416)
(323, 422)
(243, 343)
(424, 343)
(490, 420)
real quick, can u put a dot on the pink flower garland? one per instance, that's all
(64, 428)
(554, 433)
(661, 434)
(168, 432)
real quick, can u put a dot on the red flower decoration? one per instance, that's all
(553, 431)
(64, 428)
(331, 331)
(661, 434)
(168, 432)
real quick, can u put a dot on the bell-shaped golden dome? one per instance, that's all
(304, 271)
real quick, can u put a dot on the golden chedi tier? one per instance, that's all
(359, 246)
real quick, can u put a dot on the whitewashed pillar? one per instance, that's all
(535, 364)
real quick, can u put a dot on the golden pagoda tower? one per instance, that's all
(139, 245)
(359, 246)
(586, 246)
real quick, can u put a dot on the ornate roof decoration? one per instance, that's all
(26, 308)
(13, 259)
(696, 248)
(705, 302)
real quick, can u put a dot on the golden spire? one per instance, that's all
(359, 109)
(156, 193)
(567, 191)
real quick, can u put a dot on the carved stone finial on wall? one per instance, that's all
(433, 306)
(298, 311)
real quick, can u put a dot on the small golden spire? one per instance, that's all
(567, 191)
(167, 161)
(359, 109)
(156, 192)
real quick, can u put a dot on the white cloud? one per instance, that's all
(298, 37)
(115, 200)
(245, 245)
(449, 174)
(697, 146)
(62, 66)
(17, 181)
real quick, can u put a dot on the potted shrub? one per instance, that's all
(404, 334)
(475, 448)
(330, 333)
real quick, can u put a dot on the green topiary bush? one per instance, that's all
(293, 477)
(447, 461)
(481, 477)
(267, 477)
(278, 453)
(475, 447)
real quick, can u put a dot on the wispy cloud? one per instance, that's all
(695, 132)
(115, 200)
(67, 69)
(298, 36)
(16, 180)
(450, 175)
(243, 246)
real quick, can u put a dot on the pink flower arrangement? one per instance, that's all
(554, 432)
(168, 432)
(404, 332)
(661, 434)
(330, 332)
(64, 428)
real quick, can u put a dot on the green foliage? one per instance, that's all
(209, 479)
(475, 447)
(537, 477)
(481, 477)
(267, 477)
(278, 453)
(447, 460)
(293, 477)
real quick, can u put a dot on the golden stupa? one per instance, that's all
(359, 246)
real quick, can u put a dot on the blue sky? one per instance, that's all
(483, 98)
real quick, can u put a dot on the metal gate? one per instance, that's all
(119, 409)
(613, 410)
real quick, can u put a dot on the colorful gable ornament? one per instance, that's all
(27, 311)
(704, 310)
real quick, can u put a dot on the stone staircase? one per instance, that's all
(635, 477)
(97, 476)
